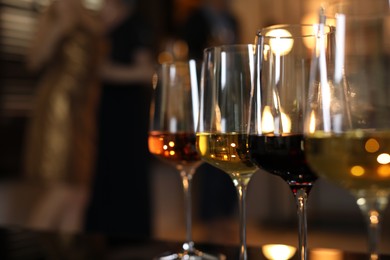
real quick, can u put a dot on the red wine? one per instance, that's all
(174, 148)
(283, 156)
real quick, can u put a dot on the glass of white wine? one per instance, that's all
(173, 121)
(221, 138)
(347, 126)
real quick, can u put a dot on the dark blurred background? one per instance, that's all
(333, 218)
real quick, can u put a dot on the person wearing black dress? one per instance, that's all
(120, 200)
(212, 24)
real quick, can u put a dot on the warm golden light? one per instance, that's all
(164, 57)
(374, 217)
(171, 144)
(326, 254)
(383, 158)
(268, 124)
(311, 35)
(312, 123)
(218, 119)
(309, 39)
(384, 171)
(180, 49)
(267, 121)
(202, 146)
(357, 170)
(278, 251)
(310, 18)
(281, 43)
(265, 51)
(286, 123)
(371, 145)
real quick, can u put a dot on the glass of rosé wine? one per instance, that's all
(171, 138)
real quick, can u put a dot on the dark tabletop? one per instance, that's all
(21, 244)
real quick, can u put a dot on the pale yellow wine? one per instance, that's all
(358, 160)
(227, 152)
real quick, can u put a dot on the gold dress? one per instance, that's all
(60, 137)
(60, 143)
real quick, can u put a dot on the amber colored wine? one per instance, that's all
(227, 152)
(358, 160)
(282, 155)
(174, 148)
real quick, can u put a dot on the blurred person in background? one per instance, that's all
(210, 24)
(173, 16)
(60, 141)
(120, 200)
(193, 25)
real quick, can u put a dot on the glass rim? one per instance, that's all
(316, 27)
(177, 62)
(228, 46)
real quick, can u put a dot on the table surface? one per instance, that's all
(22, 244)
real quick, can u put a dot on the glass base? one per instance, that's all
(193, 255)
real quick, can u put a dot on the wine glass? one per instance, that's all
(347, 125)
(275, 141)
(221, 138)
(173, 122)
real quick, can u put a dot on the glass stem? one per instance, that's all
(301, 199)
(186, 177)
(373, 233)
(241, 190)
(372, 208)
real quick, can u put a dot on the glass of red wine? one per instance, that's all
(173, 121)
(278, 101)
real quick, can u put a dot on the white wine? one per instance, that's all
(357, 160)
(227, 152)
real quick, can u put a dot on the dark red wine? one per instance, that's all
(283, 156)
(174, 148)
